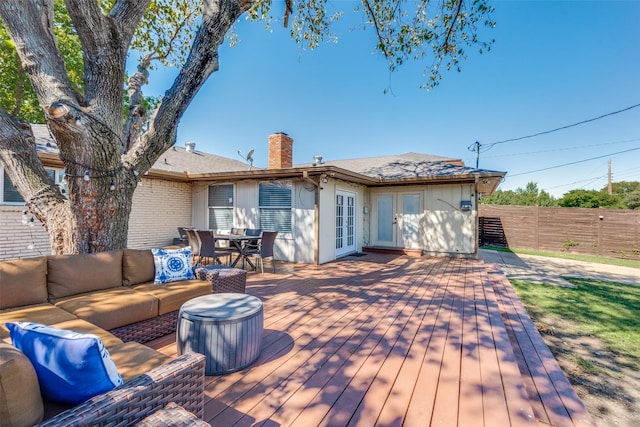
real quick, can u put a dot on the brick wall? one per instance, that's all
(159, 208)
(280, 151)
(18, 240)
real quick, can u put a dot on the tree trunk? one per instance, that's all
(90, 129)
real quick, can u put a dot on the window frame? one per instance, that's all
(230, 207)
(58, 175)
(284, 208)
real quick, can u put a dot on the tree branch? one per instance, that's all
(445, 44)
(24, 168)
(128, 14)
(218, 17)
(29, 24)
(381, 39)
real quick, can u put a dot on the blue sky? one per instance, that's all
(554, 63)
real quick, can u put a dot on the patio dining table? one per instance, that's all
(239, 243)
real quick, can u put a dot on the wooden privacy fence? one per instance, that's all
(603, 232)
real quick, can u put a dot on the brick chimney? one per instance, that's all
(280, 151)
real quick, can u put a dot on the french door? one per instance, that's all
(345, 222)
(398, 220)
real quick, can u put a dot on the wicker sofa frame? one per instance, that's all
(148, 330)
(180, 381)
(222, 279)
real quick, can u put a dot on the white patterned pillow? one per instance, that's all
(172, 265)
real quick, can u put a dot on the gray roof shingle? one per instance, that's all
(404, 166)
(176, 159)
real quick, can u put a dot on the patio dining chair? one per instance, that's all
(238, 231)
(264, 249)
(208, 248)
(252, 245)
(182, 239)
(193, 240)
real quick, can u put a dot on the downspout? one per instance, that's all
(316, 217)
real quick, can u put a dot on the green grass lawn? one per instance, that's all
(607, 310)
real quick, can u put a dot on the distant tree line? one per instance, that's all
(625, 195)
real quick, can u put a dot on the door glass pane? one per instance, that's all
(339, 221)
(411, 203)
(385, 218)
(410, 220)
(351, 220)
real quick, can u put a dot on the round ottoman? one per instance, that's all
(226, 328)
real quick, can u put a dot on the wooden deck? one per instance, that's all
(393, 340)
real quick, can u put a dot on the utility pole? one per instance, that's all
(610, 186)
(476, 147)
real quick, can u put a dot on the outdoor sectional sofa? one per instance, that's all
(111, 295)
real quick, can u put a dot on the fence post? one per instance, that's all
(600, 214)
(537, 222)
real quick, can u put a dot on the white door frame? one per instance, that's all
(393, 227)
(345, 228)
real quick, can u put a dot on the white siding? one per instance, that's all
(448, 229)
(247, 214)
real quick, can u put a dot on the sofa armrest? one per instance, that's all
(180, 381)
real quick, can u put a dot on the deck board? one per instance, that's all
(392, 340)
(558, 403)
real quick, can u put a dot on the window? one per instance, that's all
(275, 206)
(10, 194)
(221, 207)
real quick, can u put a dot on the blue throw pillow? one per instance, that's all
(71, 367)
(172, 264)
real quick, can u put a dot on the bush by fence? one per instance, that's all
(602, 232)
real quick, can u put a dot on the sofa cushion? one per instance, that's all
(71, 367)
(137, 266)
(82, 326)
(111, 308)
(76, 274)
(39, 313)
(134, 359)
(20, 400)
(23, 282)
(172, 295)
(172, 264)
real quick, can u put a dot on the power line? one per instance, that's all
(493, 144)
(576, 147)
(590, 180)
(576, 162)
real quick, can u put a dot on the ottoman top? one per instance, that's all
(226, 306)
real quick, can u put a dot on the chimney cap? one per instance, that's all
(190, 145)
(317, 160)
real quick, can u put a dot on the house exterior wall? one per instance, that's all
(444, 228)
(328, 217)
(159, 207)
(19, 240)
(300, 246)
(296, 246)
(447, 229)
